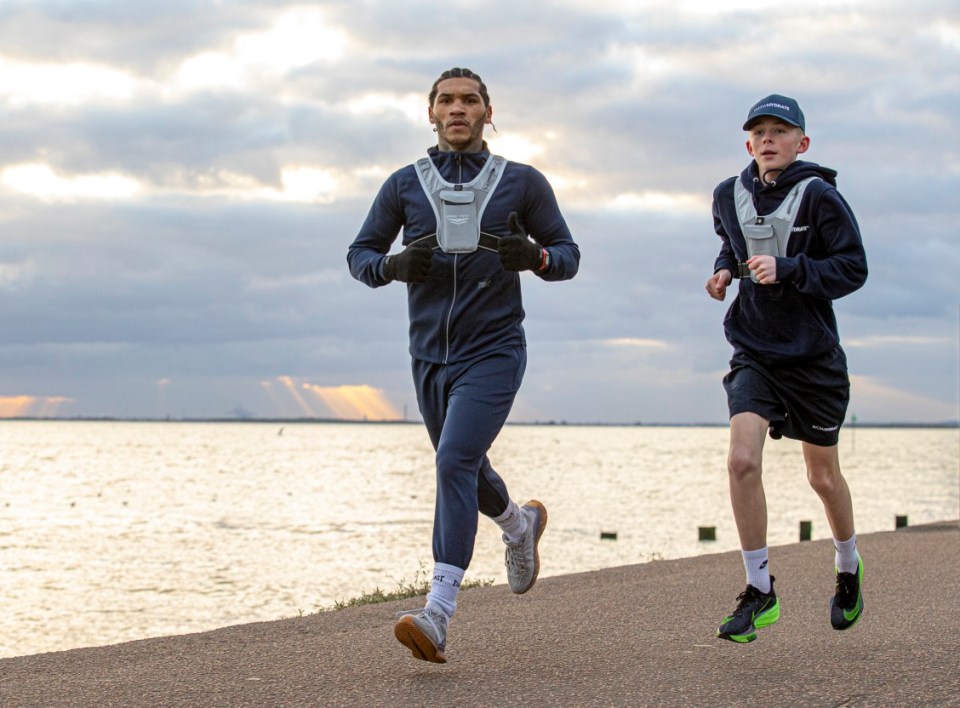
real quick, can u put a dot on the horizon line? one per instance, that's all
(555, 423)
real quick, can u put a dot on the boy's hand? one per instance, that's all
(764, 268)
(717, 284)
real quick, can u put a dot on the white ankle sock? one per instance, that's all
(847, 559)
(512, 522)
(758, 569)
(444, 588)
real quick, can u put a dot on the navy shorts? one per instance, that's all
(803, 401)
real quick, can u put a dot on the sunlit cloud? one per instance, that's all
(885, 341)
(355, 402)
(646, 65)
(31, 406)
(637, 343)
(661, 202)
(867, 394)
(39, 180)
(516, 147)
(412, 106)
(343, 402)
(308, 184)
(575, 189)
(298, 38)
(290, 386)
(25, 83)
(713, 7)
(948, 34)
(303, 184)
(211, 69)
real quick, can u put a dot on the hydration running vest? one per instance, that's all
(767, 235)
(459, 207)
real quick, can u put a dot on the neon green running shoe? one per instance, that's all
(755, 610)
(846, 606)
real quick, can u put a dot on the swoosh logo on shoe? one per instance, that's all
(850, 615)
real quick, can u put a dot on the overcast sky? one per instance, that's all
(180, 180)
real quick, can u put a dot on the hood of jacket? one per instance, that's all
(767, 197)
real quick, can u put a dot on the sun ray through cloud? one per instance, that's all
(23, 406)
(355, 402)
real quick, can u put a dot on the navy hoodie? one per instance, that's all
(469, 306)
(792, 320)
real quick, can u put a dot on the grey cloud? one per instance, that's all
(101, 299)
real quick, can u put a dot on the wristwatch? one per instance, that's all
(544, 260)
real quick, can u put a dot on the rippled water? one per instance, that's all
(111, 531)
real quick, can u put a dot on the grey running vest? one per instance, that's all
(768, 235)
(459, 207)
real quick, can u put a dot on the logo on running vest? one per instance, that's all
(799, 229)
(458, 220)
(823, 429)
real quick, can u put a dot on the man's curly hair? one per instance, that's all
(459, 73)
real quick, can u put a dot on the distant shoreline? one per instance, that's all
(550, 423)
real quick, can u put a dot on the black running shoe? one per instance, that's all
(846, 606)
(755, 609)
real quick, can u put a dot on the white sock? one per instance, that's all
(512, 522)
(847, 558)
(444, 588)
(758, 570)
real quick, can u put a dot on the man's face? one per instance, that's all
(459, 115)
(775, 144)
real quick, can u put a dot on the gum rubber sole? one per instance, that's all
(409, 634)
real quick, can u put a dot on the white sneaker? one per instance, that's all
(522, 557)
(424, 633)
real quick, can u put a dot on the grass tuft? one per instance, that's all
(420, 585)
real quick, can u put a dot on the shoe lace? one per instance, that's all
(846, 589)
(432, 615)
(746, 599)
(515, 558)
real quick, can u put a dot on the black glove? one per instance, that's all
(411, 265)
(516, 251)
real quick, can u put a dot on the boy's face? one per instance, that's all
(775, 144)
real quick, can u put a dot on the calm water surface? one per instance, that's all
(112, 531)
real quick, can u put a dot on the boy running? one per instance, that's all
(793, 242)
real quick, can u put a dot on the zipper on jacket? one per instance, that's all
(458, 157)
(453, 302)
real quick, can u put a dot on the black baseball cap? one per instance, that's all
(777, 106)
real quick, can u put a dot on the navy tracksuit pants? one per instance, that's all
(464, 407)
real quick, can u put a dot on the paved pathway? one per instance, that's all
(637, 635)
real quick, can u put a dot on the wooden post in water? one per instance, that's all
(707, 533)
(900, 522)
(806, 530)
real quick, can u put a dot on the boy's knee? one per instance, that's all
(824, 479)
(742, 464)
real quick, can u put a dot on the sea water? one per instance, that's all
(113, 531)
